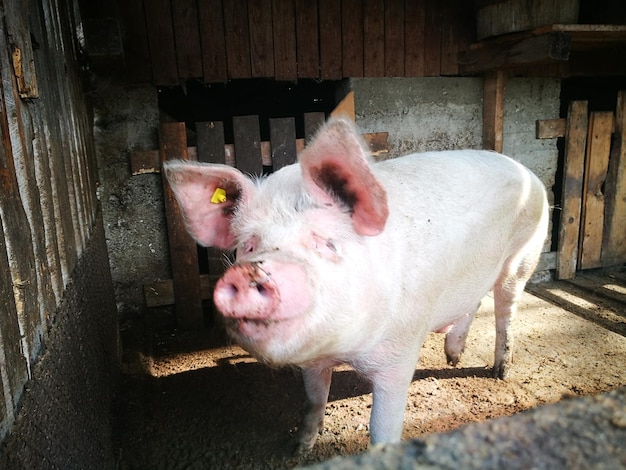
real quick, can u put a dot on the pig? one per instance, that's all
(343, 260)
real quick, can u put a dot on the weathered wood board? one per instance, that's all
(596, 166)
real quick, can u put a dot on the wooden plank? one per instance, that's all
(183, 251)
(457, 34)
(261, 38)
(284, 23)
(345, 108)
(212, 38)
(394, 38)
(374, 38)
(237, 36)
(497, 18)
(330, 39)
(352, 37)
(247, 137)
(493, 110)
(161, 42)
(187, 37)
(432, 38)
(211, 142)
(17, 21)
(17, 240)
(307, 39)
(550, 128)
(312, 123)
(13, 365)
(136, 48)
(614, 243)
(596, 166)
(574, 164)
(211, 149)
(283, 142)
(414, 31)
(377, 142)
(42, 155)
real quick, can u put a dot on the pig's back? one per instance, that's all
(455, 217)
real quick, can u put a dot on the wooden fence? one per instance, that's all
(188, 286)
(47, 182)
(593, 220)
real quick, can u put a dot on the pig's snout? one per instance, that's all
(246, 291)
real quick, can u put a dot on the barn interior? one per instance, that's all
(111, 352)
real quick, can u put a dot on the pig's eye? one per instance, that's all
(331, 246)
(251, 245)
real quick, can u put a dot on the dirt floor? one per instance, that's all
(190, 400)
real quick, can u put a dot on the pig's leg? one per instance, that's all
(506, 294)
(455, 338)
(390, 388)
(316, 386)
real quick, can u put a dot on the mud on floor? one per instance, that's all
(190, 400)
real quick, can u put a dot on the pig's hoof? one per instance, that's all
(453, 359)
(305, 443)
(303, 448)
(500, 371)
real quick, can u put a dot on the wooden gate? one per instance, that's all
(188, 286)
(593, 221)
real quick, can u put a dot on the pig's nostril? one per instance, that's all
(230, 291)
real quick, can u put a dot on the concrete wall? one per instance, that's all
(423, 114)
(126, 119)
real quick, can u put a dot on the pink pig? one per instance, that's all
(342, 260)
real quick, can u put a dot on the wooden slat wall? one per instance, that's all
(218, 40)
(47, 183)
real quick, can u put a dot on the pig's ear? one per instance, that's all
(208, 194)
(337, 170)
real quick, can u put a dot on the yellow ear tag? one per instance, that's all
(219, 196)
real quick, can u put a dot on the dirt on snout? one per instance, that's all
(191, 401)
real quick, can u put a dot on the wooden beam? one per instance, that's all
(575, 145)
(147, 161)
(493, 110)
(543, 45)
(525, 51)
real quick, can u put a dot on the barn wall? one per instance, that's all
(168, 41)
(49, 226)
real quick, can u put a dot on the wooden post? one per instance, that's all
(183, 249)
(614, 243)
(575, 144)
(596, 164)
(493, 110)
